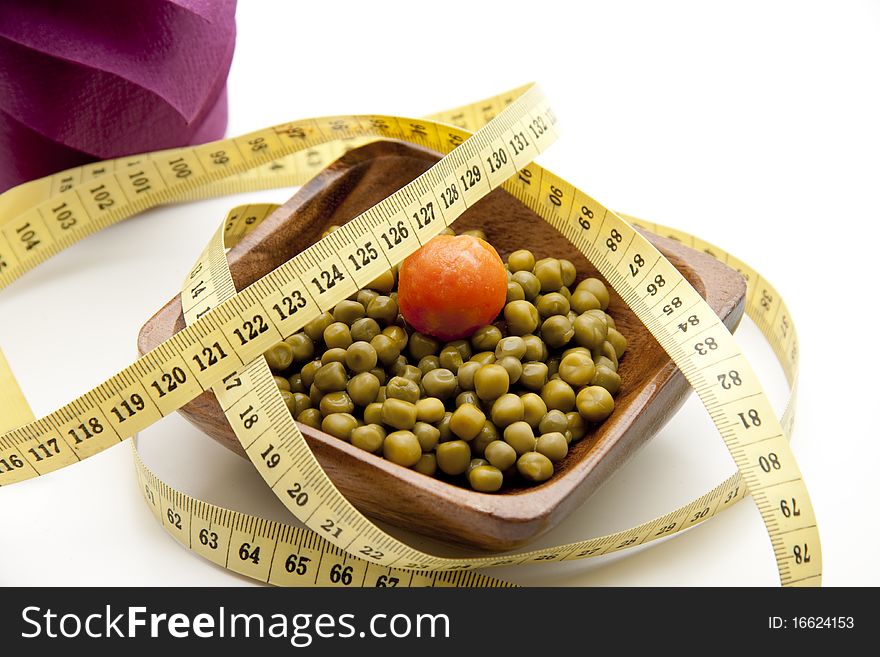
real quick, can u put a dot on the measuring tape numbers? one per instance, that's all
(498, 138)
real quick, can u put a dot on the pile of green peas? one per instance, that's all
(501, 406)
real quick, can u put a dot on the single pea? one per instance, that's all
(491, 381)
(450, 358)
(485, 338)
(364, 329)
(303, 347)
(557, 331)
(521, 260)
(427, 465)
(386, 350)
(520, 436)
(380, 374)
(445, 432)
(511, 346)
(528, 282)
(552, 303)
(402, 447)
(368, 437)
(336, 402)
(577, 369)
(606, 353)
(553, 421)
(295, 381)
(534, 467)
(331, 377)
(577, 428)
(595, 403)
(584, 300)
(429, 363)
(335, 355)
(506, 410)
(553, 445)
(604, 362)
(601, 315)
(398, 334)
(300, 402)
(606, 378)
(282, 383)
(307, 373)
(468, 397)
(348, 311)
(569, 273)
(289, 400)
(453, 457)
(279, 356)
(315, 327)
(485, 479)
(428, 435)
(514, 292)
(521, 317)
(400, 388)
(363, 388)
(534, 375)
(535, 348)
(589, 332)
(488, 434)
(366, 295)
(549, 273)
(513, 366)
(466, 421)
(597, 289)
(311, 417)
(466, 374)
(373, 413)
(534, 409)
(398, 413)
(430, 409)
(398, 367)
(616, 339)
(383, 309)
(500, 454)
(484, 357)
(337, 335)
(361, 357)
(412, 373)
(440, 383)
(476, 232)
(384, 282)
(559, 395)
(574, 350)
(463, 347)
(339, 425)
(421, 345)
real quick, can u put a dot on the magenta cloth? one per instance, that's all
(95, 79)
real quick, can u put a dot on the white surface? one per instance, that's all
(753, 124)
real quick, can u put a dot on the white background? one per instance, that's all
(752, 124)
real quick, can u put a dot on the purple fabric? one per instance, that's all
(96, 79)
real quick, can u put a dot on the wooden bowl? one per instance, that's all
(652, 387)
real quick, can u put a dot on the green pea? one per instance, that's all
(310, 417)
(583, 300)
(279, 356)
(577, 428)
(303, 347)
(361, 357)
(485, 338)
(412, 373)
(295, 381)
(513, 366)
(289, 400)
(398, 334)
(445, 431)
(282, 383)
(552, 366)
(535, 348)
(589, 332)
(597, 289)
(339, 425)
(553, 421)
(485, 479)
(337, 335)
(450, 358)
(491, 381)
(384, 282)
(364, 297)
(336, 402)
(466, 374)
(534, 375)
(348, 311)
(440, 383)
(429, 363)
(553, 445)
(577, 369)
(380, 374)
(488, 434)
(383, 309)
(609, 321)
(402, 447)
(307, 373)
(475, 463)
(300, 402)
(521, 317)
(520, 436)
(534, 467)
(453, 457)
(386, 350)
(559, 395)
(466, 421)
(427, 465)
(552, 303)
(331, 377)
(604, 362)
(463, 347)
(616, 339)
(373, 413)
(500, 454)
(569, 273)
(363, 388)
(468, 397)
(400, 388)
(381, 396)
(511, 346)
(534, 409)
(521, 260)
(368, 437)
(430, 409)
(476, 232)
(506, 410)
(428, 435)
(606, 351)
(606, 378)
(421, 345)
(549, 273)
(364, 329)
(315, 327)
(595, 403)
(528, 282)
(484, 357)
(557, 331)
(514, 292)
(398, 413)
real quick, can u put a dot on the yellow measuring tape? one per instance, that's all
(215, 351)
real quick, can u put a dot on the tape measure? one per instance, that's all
(498, 138)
